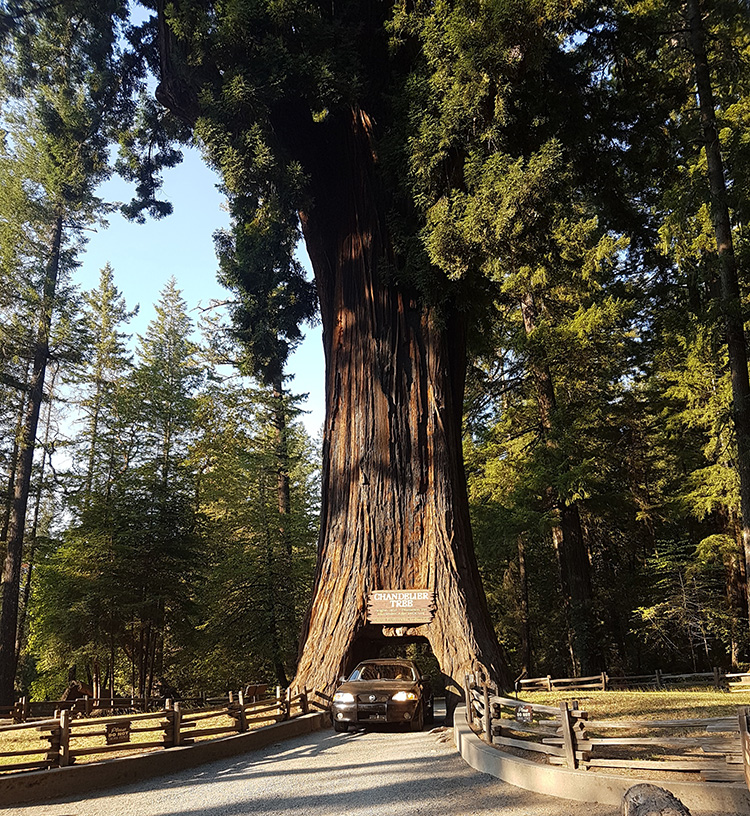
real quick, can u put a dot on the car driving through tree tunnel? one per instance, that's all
(383, 691)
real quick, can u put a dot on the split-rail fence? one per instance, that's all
(710, 749)
(718, 678)
(69, 734)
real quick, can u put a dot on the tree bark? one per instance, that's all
(731, 300)
(283, 491)
(12, 568)
(33, 532)
(525, 632)
(567, 534)
(394, 499)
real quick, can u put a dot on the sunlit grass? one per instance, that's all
(647, 705)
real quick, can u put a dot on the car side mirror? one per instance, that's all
(342, 679)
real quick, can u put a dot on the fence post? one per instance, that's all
(604, 681)
(177, 724)
(469, 699)
(305, 704)
(717, 677)
(744, 715)
(658, 678)
(567, 734)
(64, 750)
(487, 717)
(549, 683)
(242, 719)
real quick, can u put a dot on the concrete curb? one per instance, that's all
(37, 786)
(587, 786)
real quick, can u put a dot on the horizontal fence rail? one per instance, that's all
(714, 749)
(717, 678)
(23, 710)
(59, 740)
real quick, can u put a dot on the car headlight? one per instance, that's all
(343, 697)
(403, 696)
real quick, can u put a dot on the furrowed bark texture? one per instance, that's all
(731, 298)
(395, 507)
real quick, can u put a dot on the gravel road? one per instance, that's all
(370, 773)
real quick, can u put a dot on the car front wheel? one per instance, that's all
(340, 726)
(417, 724)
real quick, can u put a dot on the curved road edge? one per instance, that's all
(37, 786)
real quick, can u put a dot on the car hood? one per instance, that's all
(381, 686)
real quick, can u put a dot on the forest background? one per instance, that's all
(170, 526)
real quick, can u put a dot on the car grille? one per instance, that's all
(372, 707)
(372, 698)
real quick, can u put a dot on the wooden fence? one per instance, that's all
(715, 749)
(604, 682)
(24, 710)
(63, 738)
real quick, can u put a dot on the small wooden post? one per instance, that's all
(305, 703)
(604, 681)
(469, 699)
(177, 724)
(717, 677)
(549, 683)
(288, 704)
(567, 734)
(280, 702)
(744, 715)
(24, 709)
(242, 718)
(487, 715)
(658, 678)
(64, 750)
(231, 697)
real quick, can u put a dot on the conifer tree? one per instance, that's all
(61, 65)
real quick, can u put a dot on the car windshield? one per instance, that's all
(383, 671)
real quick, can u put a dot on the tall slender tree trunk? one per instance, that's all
(567, 533)
(31, 558)
(283, 492)
(731, 299)
(273, 592)
(394, 500)
(11, 578)
(525, 632)
(8, 506)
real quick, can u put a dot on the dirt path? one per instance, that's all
(362, 773)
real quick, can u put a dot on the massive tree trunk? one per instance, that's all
(11, 579)
(395, 507)
(394, 501)
(731, 299)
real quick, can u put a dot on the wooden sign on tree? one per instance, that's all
(391, 606)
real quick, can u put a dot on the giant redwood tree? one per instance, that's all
(356, 123)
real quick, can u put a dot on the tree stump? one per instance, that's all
(651, 800)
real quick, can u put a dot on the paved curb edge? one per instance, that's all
(37, 786)
(587, 786)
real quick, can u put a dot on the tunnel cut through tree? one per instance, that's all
(299, 106)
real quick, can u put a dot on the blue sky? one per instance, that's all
(145, 256)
